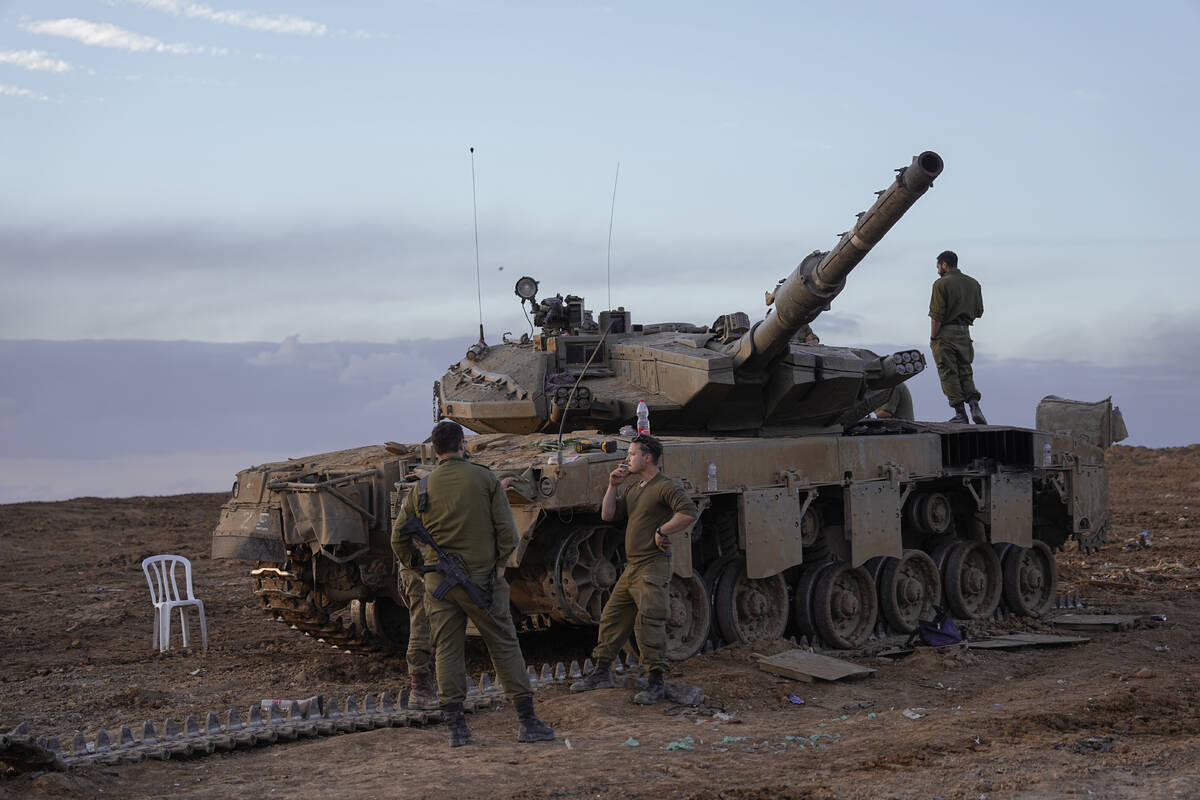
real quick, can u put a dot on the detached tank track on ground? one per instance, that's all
(21, 750)
(288, 594)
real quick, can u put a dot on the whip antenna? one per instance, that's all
(475, 215)
(611, 212)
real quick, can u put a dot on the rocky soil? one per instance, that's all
(1116, 717)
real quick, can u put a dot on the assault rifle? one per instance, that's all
(450, 565)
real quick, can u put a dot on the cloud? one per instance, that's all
(102, 34)
(291, 353)
(379, 367)
(34, 60)
(16, 91)
(280, 23)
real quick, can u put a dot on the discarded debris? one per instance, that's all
(857, 706)
(914, 713)
(631, 742)
(686, 743)
(805, 666)
(1095, 744)
(1085, 622)
(1014, 640)
(795, 699)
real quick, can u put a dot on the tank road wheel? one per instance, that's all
(844, 606)
(972, 580)
(909, 590)
(587, 567)
(802, 594)
(1030, 578)
(749, 609)
(690, 617)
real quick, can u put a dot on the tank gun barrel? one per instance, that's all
(821, 276)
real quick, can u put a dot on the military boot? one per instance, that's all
(423, 694)
(599, 678)
(976, 413)
(960, 415)
(460, 734)
(532, 729)
(655, 690)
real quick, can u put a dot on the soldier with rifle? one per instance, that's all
(457, 528)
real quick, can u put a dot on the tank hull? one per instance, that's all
(817, 535)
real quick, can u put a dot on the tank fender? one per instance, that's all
(769, 529)
(872, 513)
(249, 533)
(1009, 509)
(681, 561)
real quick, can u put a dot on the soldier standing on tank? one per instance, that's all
(468, 515)
(899, 405)
(640, 603)
(955, 304)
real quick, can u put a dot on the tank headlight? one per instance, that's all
(527, 288)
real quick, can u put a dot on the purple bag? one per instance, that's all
(941, 631)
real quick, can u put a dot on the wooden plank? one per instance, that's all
(1091, 622)
(803, 665)
(1014, 640)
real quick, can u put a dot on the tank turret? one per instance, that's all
(580, 373)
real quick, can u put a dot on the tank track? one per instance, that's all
(22, 751)
(288, 594)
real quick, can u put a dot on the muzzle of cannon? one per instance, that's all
(821, 276)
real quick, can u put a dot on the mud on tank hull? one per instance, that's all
(835, 537)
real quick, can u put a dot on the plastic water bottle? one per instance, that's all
(712, 476)
(1047, 458)
(643, 418)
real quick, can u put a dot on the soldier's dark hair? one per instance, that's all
(446, 437)
(650, 446)
(949, 258)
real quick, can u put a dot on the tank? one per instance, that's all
(819, 521)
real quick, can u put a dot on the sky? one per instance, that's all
(264, 175)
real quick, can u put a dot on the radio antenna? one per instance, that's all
(611, 212)
(475, 215)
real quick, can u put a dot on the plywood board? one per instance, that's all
(1092, 622)
(803, 665)
(1013, 640)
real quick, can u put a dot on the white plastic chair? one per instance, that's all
(164, 593)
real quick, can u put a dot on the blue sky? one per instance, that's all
(247, 171)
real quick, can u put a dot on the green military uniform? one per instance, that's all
(468, 514)
(640, 601)
(956, 302)
(900, 404)
(419, 655)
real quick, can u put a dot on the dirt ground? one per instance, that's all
(1115, 718)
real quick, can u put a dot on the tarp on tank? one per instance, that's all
(1100, 423)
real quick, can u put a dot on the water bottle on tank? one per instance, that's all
(643, 418)
(712, 476)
